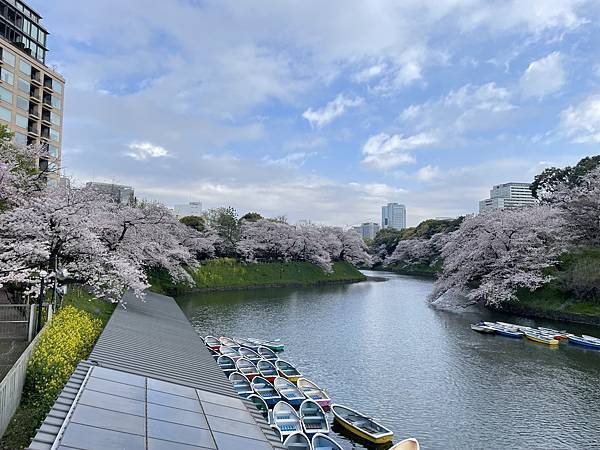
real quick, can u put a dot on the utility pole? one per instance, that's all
(41, 299)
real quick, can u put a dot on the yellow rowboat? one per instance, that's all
(407, 444)
(361, 425)
(288, 371)
(540, 338)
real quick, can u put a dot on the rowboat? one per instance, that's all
(224, 340)
(297, 441)
(286, 419)
(407, 444)
(261, 405)
(265, 390)
(249, 354)
(212, 342)
(229, 351)
(314, 392)
(313, 418)
(241, 384)
(541, 338)
(287, 370)
(226, 364)
(590, 338)
(503, 331)
(267, 370)
(323, 442)
(246, 343)
(562, 335)
(247, 368)
(484, 329)
(275, 345)
(288, 391)
(361, 425)
(267, 353)
(576, 340)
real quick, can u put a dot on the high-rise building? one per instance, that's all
(393, 216)
(188, 209)
(508, 195)
(367, 230)
(31, 93)
(118, 192)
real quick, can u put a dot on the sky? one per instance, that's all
(325, 110)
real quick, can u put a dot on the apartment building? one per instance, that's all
(393, 215)
(31, 93)
(508, 195)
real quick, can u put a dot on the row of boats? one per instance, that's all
(293, 405)
(540, 335)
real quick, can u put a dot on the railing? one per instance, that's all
(14, 321)
(11, 386)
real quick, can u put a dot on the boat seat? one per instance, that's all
(297, 445)
(285, 427)
(313, 426)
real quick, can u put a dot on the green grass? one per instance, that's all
(230, 273)
(78, 297)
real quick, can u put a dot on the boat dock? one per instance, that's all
(150, 383)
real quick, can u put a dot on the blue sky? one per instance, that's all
(325, 110)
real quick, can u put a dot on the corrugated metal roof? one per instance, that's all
(150, 354)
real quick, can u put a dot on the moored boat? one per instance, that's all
(249, 354)
(541, 338)
(246, 343)
(313, 418)
(582, 342)
(503, 331)
(287, 370)
(297, 441)
(265, 390)
(247, 368)
(590, 338)
(212, 342)
(267, 353)
(407, 444)
(361, 425)
(241, 384)
(267, 370)
(288, 391)
(275, 345)
(483, 329)
(224, 340)
(313, 391)
(226, 364)
(261, 405)
(561, 335)
(286, 419)
(229, 351)
(323, 442)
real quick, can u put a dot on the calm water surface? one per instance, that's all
(377, 347)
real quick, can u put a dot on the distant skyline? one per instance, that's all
(325, 110)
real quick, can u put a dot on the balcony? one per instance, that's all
(34, 111)
(47, 101)
(45, 132)
(34, 94)
(36, 78)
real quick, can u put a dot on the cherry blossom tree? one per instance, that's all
(418, 251)
(494, 254)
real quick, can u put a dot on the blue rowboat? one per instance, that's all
(504, 331)
(576, 340)
(249, 354)
(267, 353)
(288, 391)
(240, 384)
(297, 441)
(226, 364)
(286, 419)
(265, 390)
(321, 441)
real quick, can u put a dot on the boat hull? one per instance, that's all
(541, 340)
(348, 427)
(583, 343)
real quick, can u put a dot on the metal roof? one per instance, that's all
(151, 384)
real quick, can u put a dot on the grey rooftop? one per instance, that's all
(159, 388)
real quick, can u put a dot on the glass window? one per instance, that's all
(55, 118)
(7, 76)
(22, 103)
(55, 102)
(24, 85)
(6, 95)
(8, 57)
(25, 67)
(54, 135)
(57, 86)
(53, 150)
(5, 114)
(22, 121)
(20, 138)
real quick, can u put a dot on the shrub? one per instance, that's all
(66, 341)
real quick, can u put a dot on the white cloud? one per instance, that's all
(544, 76)
(145, 150)
(296, 159)
(384, 152)
(369, 73)
(428, 173)
(581, 123)
(333, 109)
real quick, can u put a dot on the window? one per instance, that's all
(6, 95)
(7, 76)
(20, 138)
(54, 135)
(55, 118)
(53, 150)
(57, 86)
(8, 57)
(24, 85)
(22, 103)
(25, 67)
(55, 102)
(5, 114)
(22, 121)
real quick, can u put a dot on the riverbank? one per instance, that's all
(416, 270)
(230, 274)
